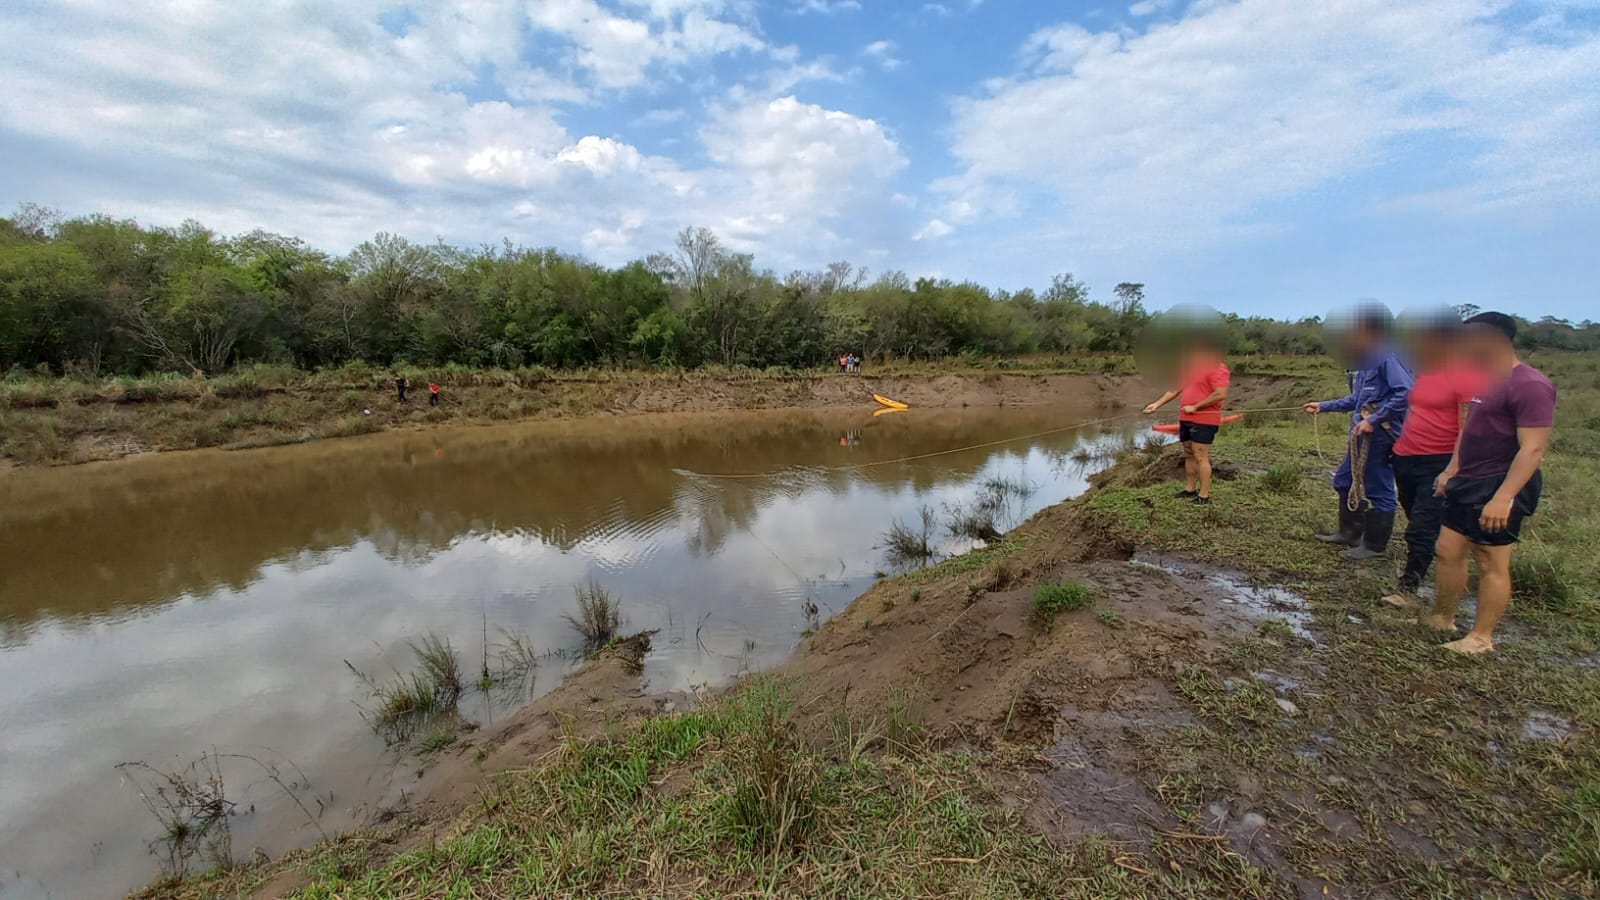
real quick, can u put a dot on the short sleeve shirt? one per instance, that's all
(1434, 419)
(1489, 441)
(1198, 385)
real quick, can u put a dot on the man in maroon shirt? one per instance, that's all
(1492, 484)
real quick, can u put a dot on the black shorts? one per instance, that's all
(1199, 434)
(1465, 498)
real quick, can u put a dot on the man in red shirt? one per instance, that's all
(1445, 386)
(1493, 482)
(1204, 380)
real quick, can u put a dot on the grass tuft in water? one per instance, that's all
(909, 544)
(598, 615)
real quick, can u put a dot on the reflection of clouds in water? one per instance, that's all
(262, 663)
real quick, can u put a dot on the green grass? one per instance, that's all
(597, 616)
(409, 701)
(730, 800)
(1051, 600)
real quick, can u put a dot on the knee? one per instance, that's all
(1449, 551)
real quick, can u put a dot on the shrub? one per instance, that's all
(598, 616)
(1066, 595)
(1283, 478)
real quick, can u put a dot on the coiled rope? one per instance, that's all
(1360, 445)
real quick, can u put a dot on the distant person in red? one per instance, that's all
(1204, 379)
(1493, 483)
(433, 393)
(1445, 387)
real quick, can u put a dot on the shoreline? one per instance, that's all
(1222, 717)
(54, 423)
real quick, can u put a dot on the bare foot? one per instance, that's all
(1471, 645)
(1438, 622)
(1400, 601)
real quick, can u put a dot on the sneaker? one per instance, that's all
(1201, 501)
(1186, 494)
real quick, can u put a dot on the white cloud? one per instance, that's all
(933, 230)
(331, 126)
(796, 165)
(826, 7)
(1149, 7)
(1190, 128)
(882, 52)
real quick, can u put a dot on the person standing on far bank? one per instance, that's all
(1377, 407)
(1437, 407)
(1493, 483)
(1204, 380)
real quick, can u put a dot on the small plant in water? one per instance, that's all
(911, 543)
(1066, 595)
(598, 616)
(429, 691)
(193, 809)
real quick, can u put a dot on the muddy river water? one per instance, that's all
(160, 607)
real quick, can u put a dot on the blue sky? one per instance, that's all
(1263, 156)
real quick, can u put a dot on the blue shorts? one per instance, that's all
(1197, 433)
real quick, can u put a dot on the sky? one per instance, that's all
(1276, 157)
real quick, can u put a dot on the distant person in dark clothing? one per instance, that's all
(1377, 408)
(1446, 385)
(433, 393)
(1493, 483)
(401, 385)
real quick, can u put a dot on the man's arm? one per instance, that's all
(1343, 404)
(1454, 466)
(1393, 404)
(1534, 441)
(1216, 396)
(1165, 399)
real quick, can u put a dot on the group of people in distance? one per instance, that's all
(1452, 431)
(402, 387)
(849, 362)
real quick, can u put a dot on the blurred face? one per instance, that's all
(1486, 349)
(1432, 348)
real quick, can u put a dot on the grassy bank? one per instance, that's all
(1200, 758)
(47, 421)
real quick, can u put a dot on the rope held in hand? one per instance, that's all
(1360, 445)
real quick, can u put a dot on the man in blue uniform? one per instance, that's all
(1377, 406)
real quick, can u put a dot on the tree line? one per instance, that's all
(100, 295)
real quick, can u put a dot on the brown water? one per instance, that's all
(155, 608)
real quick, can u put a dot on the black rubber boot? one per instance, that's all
(1375, 543)
(1350, 527)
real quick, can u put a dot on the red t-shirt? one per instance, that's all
(1434, 420)
(1198, 385)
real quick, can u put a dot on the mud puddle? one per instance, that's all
(1232, 590)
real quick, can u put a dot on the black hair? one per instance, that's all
(1497, 321)
(1374, 317)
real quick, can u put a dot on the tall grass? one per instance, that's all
(1283, 478)
(598, 615)
(910, 543)
(408, 701)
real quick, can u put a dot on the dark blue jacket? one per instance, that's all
(1383, 384)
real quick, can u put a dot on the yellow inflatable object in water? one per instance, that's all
(886, 411)
(892, 404)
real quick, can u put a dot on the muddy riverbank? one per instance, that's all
(1233, 711)
(54, 423)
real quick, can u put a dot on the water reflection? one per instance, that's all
(152, 608)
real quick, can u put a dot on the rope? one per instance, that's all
(920, 456)
(1359, 446)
